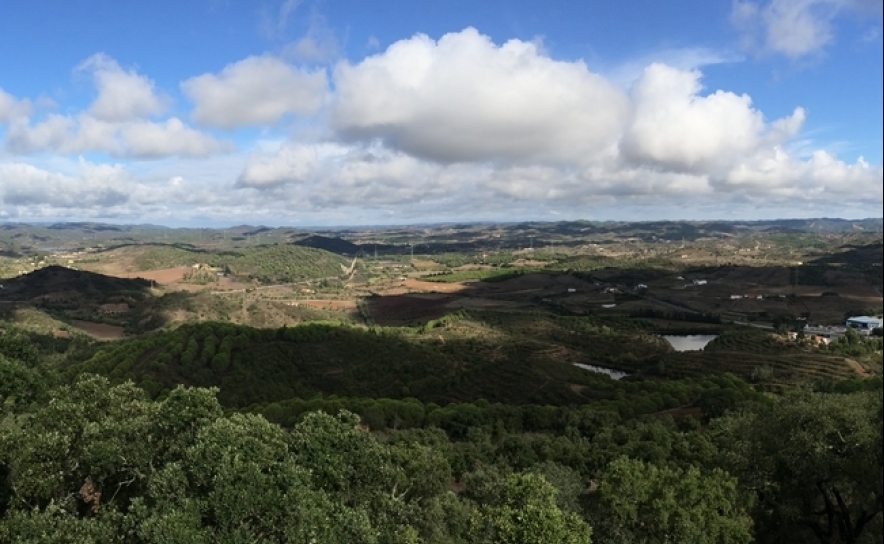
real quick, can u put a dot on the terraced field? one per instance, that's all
(773, 370)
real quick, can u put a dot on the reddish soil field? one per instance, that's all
(174, 277)
(99, 330)
(163, 277)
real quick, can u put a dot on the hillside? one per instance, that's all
(505, 357)
(454, 373)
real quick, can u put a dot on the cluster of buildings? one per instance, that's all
(863, 324)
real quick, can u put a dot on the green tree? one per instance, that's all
(356, 471)
(89, 435)
(642, 503)
(19, 385)
(525, 512)
(238, 482)
(18, 346)
(814, 461)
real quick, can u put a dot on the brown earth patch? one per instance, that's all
(164, 276)
(328, 304)
(576, 388)
(228, 283)
(858, 368)
(102, 331)
(174, 278)
(432, 286)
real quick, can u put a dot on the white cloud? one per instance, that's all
(331, 176)
(774, 176)
(454, 129)
(115, 123)
(673, 126)
(382, 178)
(170, 137)
(255, 91)
(319, 44)
(290, 164)
(51, 133)
(84, 133)
(461, 126)
(321, 178)
(95, 185)
(794, 28)
(464, 98)
(12, 108)
(687, 58)
(122, 95)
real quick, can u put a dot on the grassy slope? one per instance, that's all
(505, 357)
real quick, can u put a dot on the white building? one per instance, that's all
(864, 324)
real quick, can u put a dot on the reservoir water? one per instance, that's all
(690, 342)
(613, 373)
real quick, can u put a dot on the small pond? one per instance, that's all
(689, 342)
(613, 373)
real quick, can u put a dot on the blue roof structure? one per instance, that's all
(865, 322)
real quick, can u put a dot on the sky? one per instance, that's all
(333, 113)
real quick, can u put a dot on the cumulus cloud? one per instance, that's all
(117, 122)
(292, 163)
(171, 137)
(673, 126)
(329, 176)
(82, 133)
(463, 124)
(12, 108)
(95, 185)
(255, 91)
(794, 28)
(318, 178)
(774, 172)
(51, 133)
(464, 98)
(123, 95)
(447, 129)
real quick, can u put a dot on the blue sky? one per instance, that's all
(214, 112)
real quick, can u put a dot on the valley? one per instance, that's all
(494, 351)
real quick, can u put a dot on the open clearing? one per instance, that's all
(164, 276)
(326, 304)
(102, 331)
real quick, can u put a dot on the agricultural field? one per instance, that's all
(511, 286)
